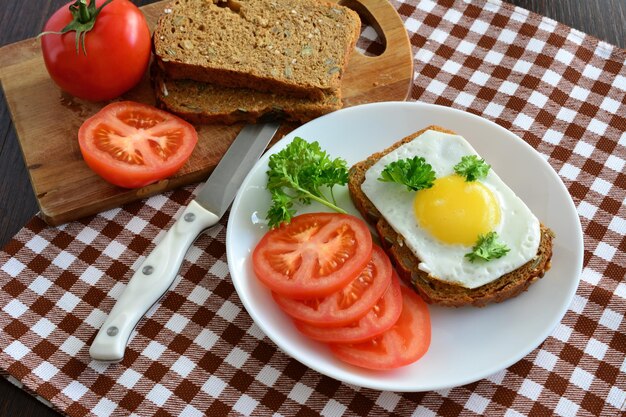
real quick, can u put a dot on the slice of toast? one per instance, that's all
(202, 103)
(431, 289)
(293, 47)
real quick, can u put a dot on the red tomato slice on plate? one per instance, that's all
(348, 304)
(380, 318)
(404, 343)
(314, 255)
(132, 145)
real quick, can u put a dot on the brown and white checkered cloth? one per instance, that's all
(198, 352)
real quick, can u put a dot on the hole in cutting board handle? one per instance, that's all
(369, 24)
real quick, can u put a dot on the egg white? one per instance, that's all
(518, 227)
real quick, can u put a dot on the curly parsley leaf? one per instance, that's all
(281, 209)
(302, 172)
(472, 168)
(487, 248)
(414, 173)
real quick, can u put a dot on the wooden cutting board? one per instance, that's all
(47, 119)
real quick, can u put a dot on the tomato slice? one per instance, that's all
(404, 343)
(314, 255)
(132, 145)
(378, 319)
(348, 304)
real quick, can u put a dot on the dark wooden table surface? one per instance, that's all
(23, 19)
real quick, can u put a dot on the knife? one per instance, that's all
(158, 271)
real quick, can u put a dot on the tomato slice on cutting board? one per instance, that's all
(348, 304)
(132, 144)
(314, 255)
(404, 343)
(379, 318)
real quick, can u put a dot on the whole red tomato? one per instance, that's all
(114, 55)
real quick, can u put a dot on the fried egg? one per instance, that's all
(441, 224)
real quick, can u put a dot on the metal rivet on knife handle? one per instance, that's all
(189, 217)
(112, 331)
(147, 270)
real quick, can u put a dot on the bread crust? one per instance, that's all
(204, 103)
(235, 79)
(431, 289)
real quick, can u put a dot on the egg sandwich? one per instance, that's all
(456, 233)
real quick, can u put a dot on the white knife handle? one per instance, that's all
(149, 283)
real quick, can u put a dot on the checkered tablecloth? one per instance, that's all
(199, 352)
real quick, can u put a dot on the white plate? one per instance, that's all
(469, 343)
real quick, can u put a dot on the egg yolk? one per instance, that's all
(456, 211)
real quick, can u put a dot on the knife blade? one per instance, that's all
(157, 272)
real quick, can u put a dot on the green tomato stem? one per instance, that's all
(83, 12)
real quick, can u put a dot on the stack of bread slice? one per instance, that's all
(244, 60)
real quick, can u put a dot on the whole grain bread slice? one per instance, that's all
(294, 47)
(205, 103)
(431, 289)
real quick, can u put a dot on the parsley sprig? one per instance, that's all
(414, 173)
(300, 173)
(472, 168)
(487, 248)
